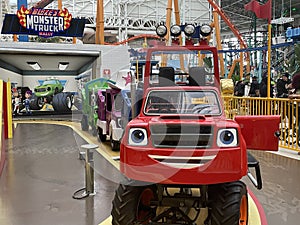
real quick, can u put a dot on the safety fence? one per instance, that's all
(288, 109)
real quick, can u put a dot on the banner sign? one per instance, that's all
(293, 33)
(43, 22)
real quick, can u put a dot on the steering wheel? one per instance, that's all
(200, 108)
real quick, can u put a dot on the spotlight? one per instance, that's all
(205, 30)
(161, 30)
(189, 30)
(175, 30)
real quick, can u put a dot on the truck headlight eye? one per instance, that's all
(138, 136)
(227, 138)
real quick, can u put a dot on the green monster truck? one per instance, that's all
(51, 91)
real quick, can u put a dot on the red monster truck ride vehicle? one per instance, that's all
(183, 159)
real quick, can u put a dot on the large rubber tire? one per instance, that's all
(84, 123)
(62, 102)
(36, 103)
(115, 145)
(131, 205)
(228, 204)
(101, 136)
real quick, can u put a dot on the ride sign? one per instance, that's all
(293, 33)
(43, 22)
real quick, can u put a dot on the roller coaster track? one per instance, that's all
(213, 3)
(43, 3)
(216, 7)
(134, 38)
(223, 15)
(238, 35)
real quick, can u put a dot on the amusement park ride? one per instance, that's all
(182, 159)
(179, 152)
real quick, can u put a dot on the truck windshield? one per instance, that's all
(185, 63)
(204, 102)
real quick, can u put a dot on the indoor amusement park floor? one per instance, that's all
(43, 171)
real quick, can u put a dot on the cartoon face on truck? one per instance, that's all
(181, 134)
(180, 140)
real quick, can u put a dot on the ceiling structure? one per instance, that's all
(244, 20)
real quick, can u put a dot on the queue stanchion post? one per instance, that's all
(89, 188)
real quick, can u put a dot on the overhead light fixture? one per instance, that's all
(34, 65)
(63, 65)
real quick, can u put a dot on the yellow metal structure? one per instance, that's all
(218, 39)
(9, 109)
(286, 108)
(100, 23)
(234, 30)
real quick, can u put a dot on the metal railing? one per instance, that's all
(288, 110)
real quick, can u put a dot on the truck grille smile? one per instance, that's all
(183, 162)
(181, 135)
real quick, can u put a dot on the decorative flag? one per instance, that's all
(261, 11)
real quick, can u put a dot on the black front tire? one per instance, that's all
(228, 204)
(36, 103)
(115, 145)
(131, 204)
(101, 136)
(62, 102)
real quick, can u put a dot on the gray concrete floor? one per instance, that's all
(41, 175)
(280, 195)
(43, 171)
